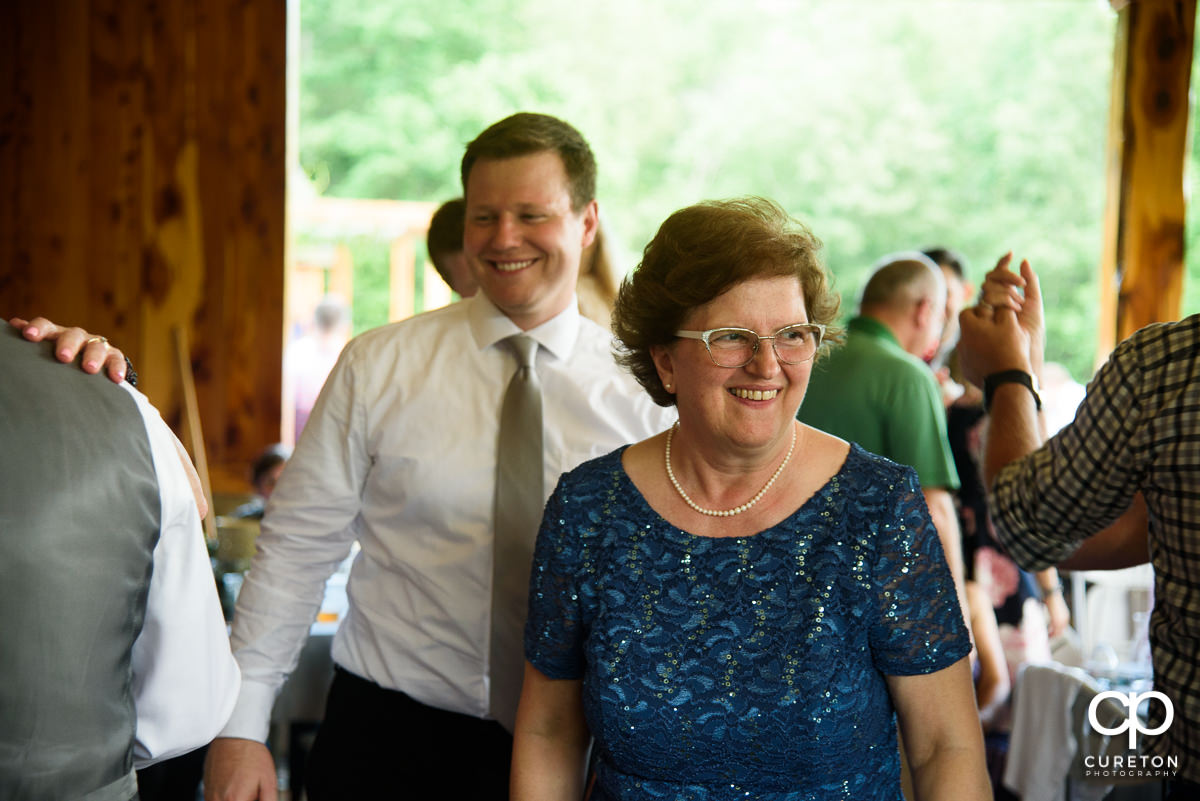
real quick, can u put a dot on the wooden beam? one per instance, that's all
(1110, 246)
(1142, 264)
(402, 279)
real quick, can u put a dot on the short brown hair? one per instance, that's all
(526, 133)
(445, 237)
(702, 251)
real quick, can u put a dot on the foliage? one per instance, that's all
(1191, 244)
(371, 274)
(885, 125)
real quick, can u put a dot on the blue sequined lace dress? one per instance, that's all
(748, 667)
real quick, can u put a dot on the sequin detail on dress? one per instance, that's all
(749, 667)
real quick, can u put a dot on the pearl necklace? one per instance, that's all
(737, 509)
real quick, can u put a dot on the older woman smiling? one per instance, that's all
(741, 606)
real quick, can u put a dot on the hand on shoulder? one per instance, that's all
(97, 352)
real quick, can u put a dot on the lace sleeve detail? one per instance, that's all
(919, 625)
(554, 632)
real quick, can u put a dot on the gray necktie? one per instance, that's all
(518, 513)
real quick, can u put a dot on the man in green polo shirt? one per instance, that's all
(878, 391)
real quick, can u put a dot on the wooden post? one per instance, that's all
(1142, 255)
(403, 279)
(341, 276)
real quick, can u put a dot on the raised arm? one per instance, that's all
(550, 741)
(1005, 331)
(97, 352)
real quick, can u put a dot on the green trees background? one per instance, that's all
(884, 124)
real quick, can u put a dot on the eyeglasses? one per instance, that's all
(737, 347)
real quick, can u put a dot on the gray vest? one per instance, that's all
(79, 519)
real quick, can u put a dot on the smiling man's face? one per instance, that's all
(522, 238)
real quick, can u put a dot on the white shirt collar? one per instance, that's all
(489, 325)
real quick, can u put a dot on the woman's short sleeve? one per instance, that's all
(553, 631)
(919, 626)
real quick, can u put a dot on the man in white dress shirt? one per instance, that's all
(115, 652)
(400, 454)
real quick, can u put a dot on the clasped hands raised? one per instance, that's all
(1005, 328)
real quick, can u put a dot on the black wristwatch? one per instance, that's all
(1021, 377)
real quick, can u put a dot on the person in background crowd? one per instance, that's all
(308, 360)
(264, 473)
(444, 241)
(599, 277)
(958, 291)
(878, 391)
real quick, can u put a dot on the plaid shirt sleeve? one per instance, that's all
(1139, 424)
(1138, 429)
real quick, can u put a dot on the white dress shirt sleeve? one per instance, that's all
(399, 454)
(307, 532)
(185, 680)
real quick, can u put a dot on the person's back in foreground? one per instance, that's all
(115, 650)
